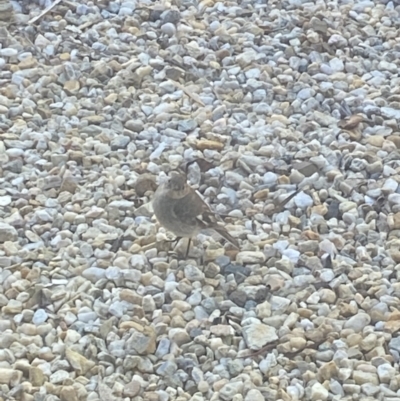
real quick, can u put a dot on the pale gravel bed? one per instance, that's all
(100, 100)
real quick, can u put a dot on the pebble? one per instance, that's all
(230, 390)
(250, 257)
(5, 200)
(95, 304)
(39, 317)
(358, 322)
(7, 233)
(257, 335)
(319, 392)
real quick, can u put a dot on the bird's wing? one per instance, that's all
(193, 210)
(208, 219)
(188, 208)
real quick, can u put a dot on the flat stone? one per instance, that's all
(68, 393)
(305, 168)
(358, 322)
(78, 362)
(361, 377)
(257, 335)
(250, 257)
(178, 336)
(143, 342)
(319, 392)
(36, 376)
(228, 392)
(203, 144)
(7, 233)
(5, 200)
(59, 377)
(10, 377)
(72, 86)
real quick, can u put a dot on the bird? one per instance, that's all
(180, 209)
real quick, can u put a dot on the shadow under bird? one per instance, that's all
(181, 210)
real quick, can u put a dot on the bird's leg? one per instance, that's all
(180, 254)
(188, 246)
(202, 259)
(176, 240)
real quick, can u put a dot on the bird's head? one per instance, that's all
(177, 182)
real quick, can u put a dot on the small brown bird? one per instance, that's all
(180, 209)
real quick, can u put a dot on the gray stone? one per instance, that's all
(358, 322)
(257, 335)
(7, 233)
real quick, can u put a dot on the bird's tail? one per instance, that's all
(224, 234)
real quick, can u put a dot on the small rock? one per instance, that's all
(5, 200)
(36, 376)
(203, 144)
(72, 86)
(358, 322)
(178, 336)
(257, 335)
(143, 342)
(193, 273)
(228, 392)
(10, 377)
(319, 392)
(144, 183)
(250, 257)
(254, 395)
(7, 233)
(386, 372)
(361, 377)
(59, 377)
(68, 393)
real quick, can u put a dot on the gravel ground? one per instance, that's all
(100, 100)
